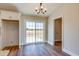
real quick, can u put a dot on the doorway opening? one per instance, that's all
(58, 32)
(34, 31)
(11, 32)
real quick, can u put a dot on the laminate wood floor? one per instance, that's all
(13, 50)
(42, 49)
(38, 49)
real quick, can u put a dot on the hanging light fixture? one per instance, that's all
(41, 9)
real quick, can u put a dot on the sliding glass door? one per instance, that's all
(34, 31)
(30, 32)
(39, 32)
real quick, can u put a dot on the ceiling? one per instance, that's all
(29, 8)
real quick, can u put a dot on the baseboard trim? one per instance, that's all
(33, 43)
(69, 52)
(50, 43)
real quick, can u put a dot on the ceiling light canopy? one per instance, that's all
(41, 9)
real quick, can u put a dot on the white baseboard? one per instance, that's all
(33, 42)
(50, 43)
(69, 52)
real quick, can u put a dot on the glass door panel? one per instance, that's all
(30, 32)
(39, 32)
(34, 32)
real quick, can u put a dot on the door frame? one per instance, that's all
(61, 31)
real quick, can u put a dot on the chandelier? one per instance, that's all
(41, 9)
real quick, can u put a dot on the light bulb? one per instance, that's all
(36, 8)
(41, 7)
(45, 9)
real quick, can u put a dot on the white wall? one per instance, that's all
(70, 27)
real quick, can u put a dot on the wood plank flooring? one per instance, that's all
(38, 49)
(13, 50)
(42, 49)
